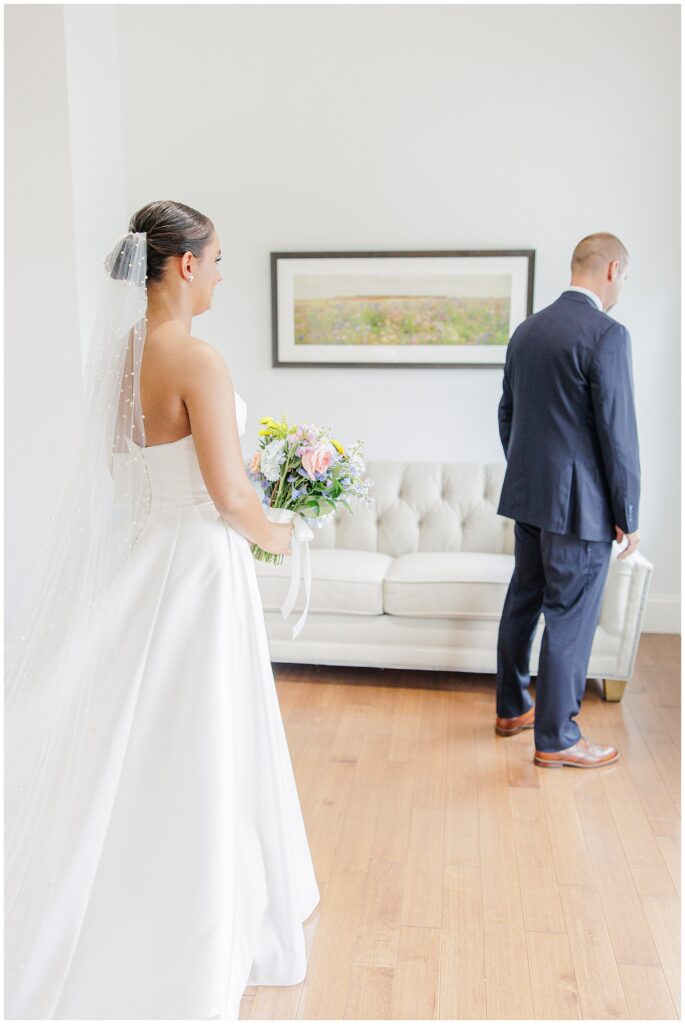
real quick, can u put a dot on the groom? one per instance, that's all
(572, 485)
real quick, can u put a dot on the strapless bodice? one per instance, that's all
(173, 472)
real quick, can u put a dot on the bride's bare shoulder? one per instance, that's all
(198, 358)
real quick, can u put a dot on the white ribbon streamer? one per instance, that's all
(301, 535)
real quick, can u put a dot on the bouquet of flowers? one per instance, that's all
(303, 470)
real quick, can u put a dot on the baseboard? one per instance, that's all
(662, 614)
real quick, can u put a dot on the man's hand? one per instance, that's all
(632, 538)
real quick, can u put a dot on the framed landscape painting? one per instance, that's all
(421, 309)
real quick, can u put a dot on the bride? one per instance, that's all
(156, 859)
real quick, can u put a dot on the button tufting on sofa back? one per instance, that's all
(425, 506)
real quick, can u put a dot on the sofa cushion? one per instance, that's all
(448, 585)
(344, 582)
(424, 507)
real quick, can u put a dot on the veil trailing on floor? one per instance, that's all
(57, 772)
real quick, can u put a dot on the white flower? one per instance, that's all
(272, 460)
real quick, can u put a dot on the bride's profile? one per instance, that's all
(156, 858)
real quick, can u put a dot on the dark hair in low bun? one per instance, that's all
(171, 229)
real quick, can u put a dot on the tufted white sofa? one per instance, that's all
(418, 580)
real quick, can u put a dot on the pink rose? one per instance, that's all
(255, 461)
(317, 459)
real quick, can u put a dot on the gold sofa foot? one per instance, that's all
(613, 689)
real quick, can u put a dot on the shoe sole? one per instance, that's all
(573, 764)
(512, 732)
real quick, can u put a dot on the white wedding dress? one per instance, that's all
(204, 877)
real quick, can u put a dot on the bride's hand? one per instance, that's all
(280, 538)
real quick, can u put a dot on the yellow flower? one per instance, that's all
(338, 446)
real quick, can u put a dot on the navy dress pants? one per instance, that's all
(563, 577)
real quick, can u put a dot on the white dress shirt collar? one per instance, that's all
(586, 291)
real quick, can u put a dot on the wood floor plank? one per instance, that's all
(647, 717)
(461, 795)
(415, 995)
(597, 978)
(378, 935)
(380, 721)
(569, 850)
(623, 913)
(519, 751)
(372, 760)
(670, 851)
(245, 1005)
(507, 977)
(553, 979)
(506, 957)
(462, 953)
(499, 868)
(659, 682)
(672, 723)
(649, 711)
(329, 970)
(357, 831)
(664, 920)
(352, 721)
(370, 994)
(542, 910)
(664, 752)
(423, 896)
(277, 1002)
(391, 838)
(646, 992)
(657, 648)
(325, 818)
(622, 730)
(405, 724)
(649, 870)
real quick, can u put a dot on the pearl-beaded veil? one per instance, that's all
(53, 753)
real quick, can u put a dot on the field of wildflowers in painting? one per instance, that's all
(401, 320)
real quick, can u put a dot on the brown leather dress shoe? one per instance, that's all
(582, 754)
(510, 726)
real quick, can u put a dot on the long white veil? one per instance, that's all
(57, 791)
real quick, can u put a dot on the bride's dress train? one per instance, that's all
(204, 875)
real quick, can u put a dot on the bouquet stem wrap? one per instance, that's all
(301, 535)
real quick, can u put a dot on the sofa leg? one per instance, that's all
(613, 689)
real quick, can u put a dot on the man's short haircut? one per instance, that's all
(594, 252)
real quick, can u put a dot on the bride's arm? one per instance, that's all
(207, 391)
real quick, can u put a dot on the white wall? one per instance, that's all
(42, 357)
(95, 146)
(386, 127)
(65, 182)
(410, 127)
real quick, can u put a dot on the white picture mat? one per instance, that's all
(416, 266)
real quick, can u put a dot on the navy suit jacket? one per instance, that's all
(567, 422)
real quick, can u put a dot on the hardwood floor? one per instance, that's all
(460, 881)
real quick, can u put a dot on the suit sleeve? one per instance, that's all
(506, 407)
(611, 390)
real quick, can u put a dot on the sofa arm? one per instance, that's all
(623, 605)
